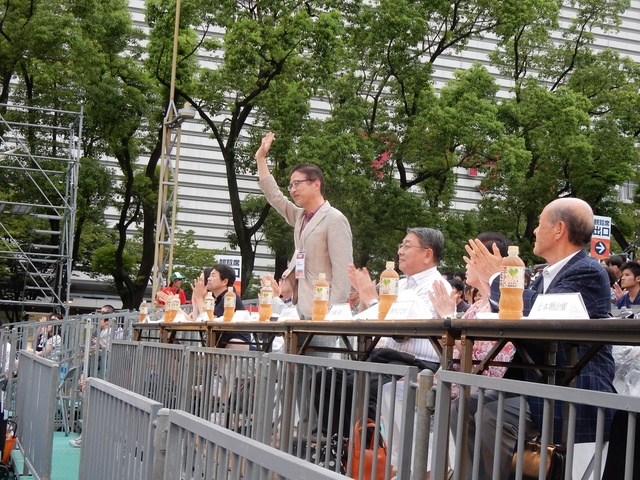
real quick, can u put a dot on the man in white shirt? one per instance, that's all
(418, 257)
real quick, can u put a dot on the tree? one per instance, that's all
(273, 56)
(572, 108)
(189, 258)
(87, 53)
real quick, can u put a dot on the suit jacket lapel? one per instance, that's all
(577, 257)
(313, 223)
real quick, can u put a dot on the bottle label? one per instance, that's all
(229, 301)
(208, 303)
(265, 298)
(388, 286)
(175, 304)
(144, 311)
(511, 277)
(321, 294)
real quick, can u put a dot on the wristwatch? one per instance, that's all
(373, 302)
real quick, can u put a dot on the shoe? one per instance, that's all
(76, 442)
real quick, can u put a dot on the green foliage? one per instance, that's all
(189, 259)
(391, 145)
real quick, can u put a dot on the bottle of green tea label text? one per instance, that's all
(511, 285)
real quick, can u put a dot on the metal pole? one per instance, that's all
(164, 225)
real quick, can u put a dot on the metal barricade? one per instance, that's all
(159, 371)
(476, 423)
(313, 406)
(195, 449)
(118, 438)
(123, 363)
(69, 344)
(220, 385)
(36, 406)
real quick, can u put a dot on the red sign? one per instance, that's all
(600, 248)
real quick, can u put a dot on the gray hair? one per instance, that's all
(430, 238)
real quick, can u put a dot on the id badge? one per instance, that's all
(300, 265)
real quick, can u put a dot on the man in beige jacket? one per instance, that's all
(322, 233)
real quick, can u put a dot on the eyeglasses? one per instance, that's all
(296, 183)
(402, 246)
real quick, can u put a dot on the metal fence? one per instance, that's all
(194, 449)
(220, 385)
(472, 457)
(36, 406)
(77, 341)
(118, 438)
(314, 408)
(305, 406)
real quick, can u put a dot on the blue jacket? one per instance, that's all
(585, 275)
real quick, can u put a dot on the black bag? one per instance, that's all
(391, 356)
(554, 467)
(328, 454)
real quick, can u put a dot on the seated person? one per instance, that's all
(446, 303)
(565, 227)
(285, 291)
(221, 277)
(51, 343)
(419, 255)
(458, 292)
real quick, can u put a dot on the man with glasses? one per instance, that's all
(322, 233)
(418, 257)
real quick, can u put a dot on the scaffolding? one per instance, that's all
(39, 165)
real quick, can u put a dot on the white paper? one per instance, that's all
(289, 313)
(339, 311)
(557, 306)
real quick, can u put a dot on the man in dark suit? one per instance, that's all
(565, 227)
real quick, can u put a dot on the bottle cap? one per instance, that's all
(230, 289)
(391, 265)
(513, 250)
(267, 283)
(321, 276)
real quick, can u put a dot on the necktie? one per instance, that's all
(538, 284)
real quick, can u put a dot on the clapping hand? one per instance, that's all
(199, 288)
(362, 283)
(444, 302)
(482, 260)
(274, 285)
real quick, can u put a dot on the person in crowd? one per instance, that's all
(630, 282)
(461, 276)
(613, 280)
(457, 291)
(418, 257)
(77, 442)
(220, 277)
(527, 277)
(471, 294)
(615, 263)
(445, 303)
(284, 291)
(106, 334)
(174, 288)
(103, 342)
(354, 301)
(49, 341)
(564, 229)
(322, 235)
